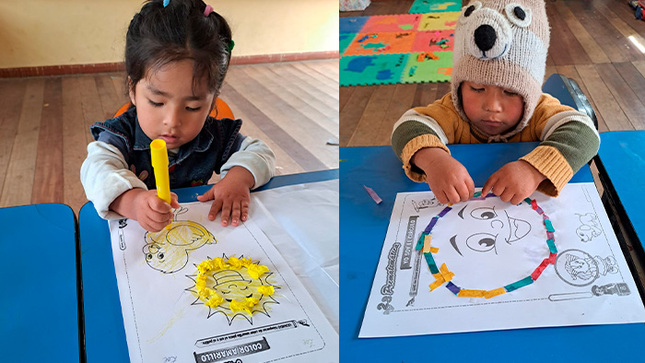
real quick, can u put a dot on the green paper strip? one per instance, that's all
(549, 226)
(528, 200)
(420, 242)
(517, 284)
(431, 264)
(477, 194)
(551, 244)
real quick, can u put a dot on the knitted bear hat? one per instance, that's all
(502, 43)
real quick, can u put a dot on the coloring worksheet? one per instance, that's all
(488, 265)
(199, 292)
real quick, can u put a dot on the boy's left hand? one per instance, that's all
(231, 195)
(514, 181)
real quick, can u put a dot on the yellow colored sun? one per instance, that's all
(232, 286)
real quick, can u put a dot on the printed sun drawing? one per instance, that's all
(234, 287)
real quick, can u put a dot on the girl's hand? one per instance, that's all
(447, 178)
(231, 195)
(514, 181)
(143, 206)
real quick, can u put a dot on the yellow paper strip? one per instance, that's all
(426, 243)
(493, 293)
(471, 293)
(447, 275)
(438, 282)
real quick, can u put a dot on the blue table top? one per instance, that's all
(104, 328)
(362, 231)
(39, 305)
(622, 154)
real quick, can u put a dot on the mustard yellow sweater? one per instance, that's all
(568, 138)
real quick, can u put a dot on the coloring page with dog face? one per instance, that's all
(489, 265)
(197, 291)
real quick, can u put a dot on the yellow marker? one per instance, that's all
(159, 156)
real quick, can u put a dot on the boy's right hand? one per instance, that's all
(144, 206)
(447, 178)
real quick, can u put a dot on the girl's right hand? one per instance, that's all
(447, 178)
(144, 206)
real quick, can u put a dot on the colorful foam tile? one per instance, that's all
(392, 23)
(344, 39)
(381, 43)
(439, 21)
(428, 67)
(434, 41)
(351, 24)
(368, 70)
(430, 6)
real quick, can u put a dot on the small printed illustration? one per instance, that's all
(579, 268)
(234, 287)
(589, 227)
(617, 288)
(425, 203)
(122, 224)
(167, 250)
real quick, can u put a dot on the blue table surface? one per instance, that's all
(363, 225)
(104, 328)
(622, 154)
(39, 305)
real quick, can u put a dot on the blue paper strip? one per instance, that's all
(452, 287)
(444, 211)
(433, 221)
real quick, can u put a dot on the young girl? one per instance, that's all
(177, 54)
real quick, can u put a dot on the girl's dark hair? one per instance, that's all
(159, 35)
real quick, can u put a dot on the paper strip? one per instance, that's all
(552, 258)
(447, 275)
(426, 243)
(420, 242)
(431, 264)
(517, 284)
(373, 194)
(452, 287)
(444, 211)
(471, 293)
(437, 282)
(538, 271)
(552, 247)
(492, 293)
(433, 221)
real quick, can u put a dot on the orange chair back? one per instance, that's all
(219, 111)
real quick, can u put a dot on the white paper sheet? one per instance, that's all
(164, 320)
(489, 244)
(302, 223)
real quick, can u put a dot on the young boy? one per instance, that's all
(498, 68)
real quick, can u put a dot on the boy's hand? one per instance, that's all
(152, 213)
(231, 195)
(514, 181)
(447, 178)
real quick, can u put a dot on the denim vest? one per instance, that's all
(193, 164)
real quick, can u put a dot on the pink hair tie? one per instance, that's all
(208, 10)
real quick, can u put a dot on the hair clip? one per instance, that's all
(208, 10)
(231, 44)
(165, 3)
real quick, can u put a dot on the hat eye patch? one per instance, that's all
(518, 15)
(467, 11)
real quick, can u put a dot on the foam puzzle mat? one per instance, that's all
(400, 48)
